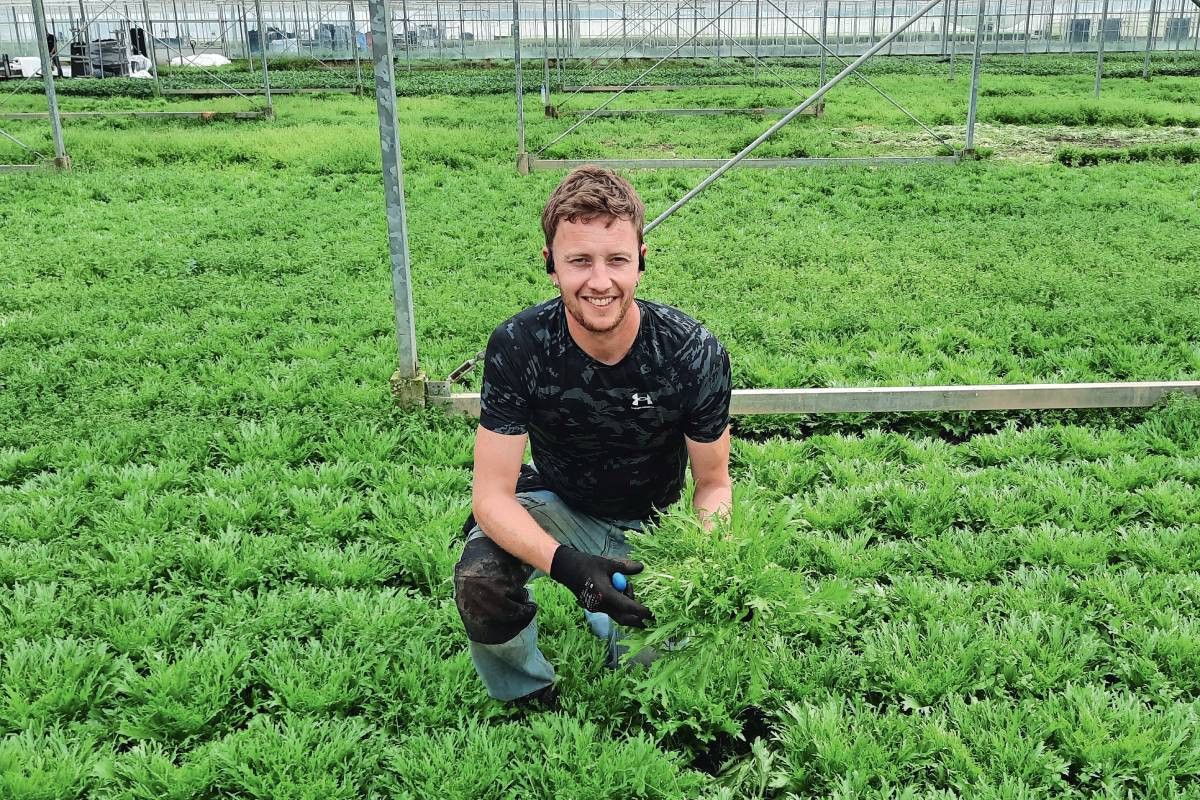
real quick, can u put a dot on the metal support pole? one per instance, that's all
(795, 112)
(522, 156)
(437, 14)
(824, 29)
(892, 23)
(246, 39)
(557, 45)
(953, 38)
(945, 25)
(1049, 29)
(1100, 45)
(757, 32)
(221, 23)
(1028, 15)
(695, 25)
(462, 31)
(354, 44)
(407, 48)
(1150, 31)
(546, 59)
(393, 187)
(262, 44)
(719, 32)
(61, 159)
(973, 102)
(151, 52)
(624, 28)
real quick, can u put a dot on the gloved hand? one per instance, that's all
(590, 579)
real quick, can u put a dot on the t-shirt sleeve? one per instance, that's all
(709, 384)
(507, 382)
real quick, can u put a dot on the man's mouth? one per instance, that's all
(600, 302)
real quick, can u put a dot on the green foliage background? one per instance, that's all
(225, 558)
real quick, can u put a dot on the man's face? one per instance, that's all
(596, 270)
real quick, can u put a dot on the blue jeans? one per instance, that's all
(497, 607)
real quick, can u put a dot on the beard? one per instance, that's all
(577, 308)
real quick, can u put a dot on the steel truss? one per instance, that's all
(528, 162)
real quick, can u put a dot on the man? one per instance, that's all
(614, 395)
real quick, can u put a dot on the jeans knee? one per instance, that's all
(490, 593)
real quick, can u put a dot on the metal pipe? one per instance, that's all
(522, 156)
(262, 44)
(246, 38)
(151, 53)
(546, 58)
(61, 159)
(462, 32)
(892, 23)
(1150, 31)
(1048, 33)
(404, 22)
(354, 44)
(795, 112)
(1100, 46)
(393, 187)
(973, 102)
(1028, 15)
(824, 30)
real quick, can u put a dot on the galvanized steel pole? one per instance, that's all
(522, 156)
(393, 187)
(824, 27)
(262, 46)
(1028, 15)
(404, 20)
(973, 102)
(354, 44)
(1150, 30)
(151, 53)
(61, 159)
(795, 112)
(1100, 46)
(545, 59)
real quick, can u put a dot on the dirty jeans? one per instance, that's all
(494, 601)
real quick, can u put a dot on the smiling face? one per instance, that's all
(596, 271)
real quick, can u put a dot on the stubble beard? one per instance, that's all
(576, 307)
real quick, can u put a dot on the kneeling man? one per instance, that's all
(614, 395)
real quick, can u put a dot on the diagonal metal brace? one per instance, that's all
(795, 112)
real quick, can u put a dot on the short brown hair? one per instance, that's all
(589, 192)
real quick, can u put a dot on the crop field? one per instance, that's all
(226, 557)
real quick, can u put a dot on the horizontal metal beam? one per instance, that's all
(815, 111)
(231, 93)
(713, 163)
(661, 87)
(879, 399)
(21, 167)
(207, 116)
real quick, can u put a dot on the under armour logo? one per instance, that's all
(641, 400)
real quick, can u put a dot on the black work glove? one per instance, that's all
(590, 579)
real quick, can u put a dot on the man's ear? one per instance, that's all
(549, 259)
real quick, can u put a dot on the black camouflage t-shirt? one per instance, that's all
(607, 439)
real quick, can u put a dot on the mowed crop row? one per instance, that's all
(225, 559)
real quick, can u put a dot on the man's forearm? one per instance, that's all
(713, 499)
(508, 524)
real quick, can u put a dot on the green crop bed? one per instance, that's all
(225, 558)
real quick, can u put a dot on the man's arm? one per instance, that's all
(494, 500)
(710, 470)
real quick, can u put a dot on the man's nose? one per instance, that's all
(599, 278)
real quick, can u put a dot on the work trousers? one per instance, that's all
(497, 607)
